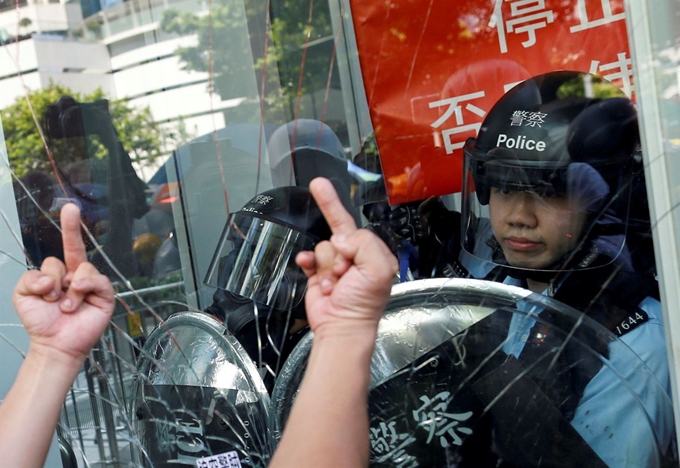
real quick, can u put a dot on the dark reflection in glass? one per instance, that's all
(91, 168)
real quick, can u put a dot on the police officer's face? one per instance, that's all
(534, 231)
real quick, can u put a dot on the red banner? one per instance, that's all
(432, 70)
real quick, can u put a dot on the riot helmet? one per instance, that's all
(547, 180)
(255, 258)
(304, 149)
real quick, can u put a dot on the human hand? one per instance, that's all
(350, 276)
(65, 307)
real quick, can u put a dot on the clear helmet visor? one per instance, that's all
(548, 178)
(255, 259)
(542, 215)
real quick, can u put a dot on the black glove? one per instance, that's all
(406, 224)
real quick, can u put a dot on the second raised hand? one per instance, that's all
(351, 275)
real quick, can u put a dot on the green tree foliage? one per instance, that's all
(220, 44)
(299, 39)
(140, 135)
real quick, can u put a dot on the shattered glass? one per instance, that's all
(163, 119)
(448, 389)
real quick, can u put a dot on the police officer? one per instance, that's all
(198, 393)
(545, 206)
(259, 288)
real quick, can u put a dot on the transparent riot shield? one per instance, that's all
(197, 394)
(474, 373)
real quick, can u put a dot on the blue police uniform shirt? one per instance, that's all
(625, 414)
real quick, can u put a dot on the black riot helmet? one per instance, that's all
(304, 149)
(566, 136)
(255, 258)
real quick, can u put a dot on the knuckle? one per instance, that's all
(86, 268)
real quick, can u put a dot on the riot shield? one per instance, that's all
(474, 373)
(196, 394)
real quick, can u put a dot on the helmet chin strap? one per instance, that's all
(540, 276)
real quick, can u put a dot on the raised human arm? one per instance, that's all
(65, 308)
(350, 278)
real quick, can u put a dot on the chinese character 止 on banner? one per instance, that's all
(587, 23)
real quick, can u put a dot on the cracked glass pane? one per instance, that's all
(188, 132)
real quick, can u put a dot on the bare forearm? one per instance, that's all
(30, 411)
(328, 426)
